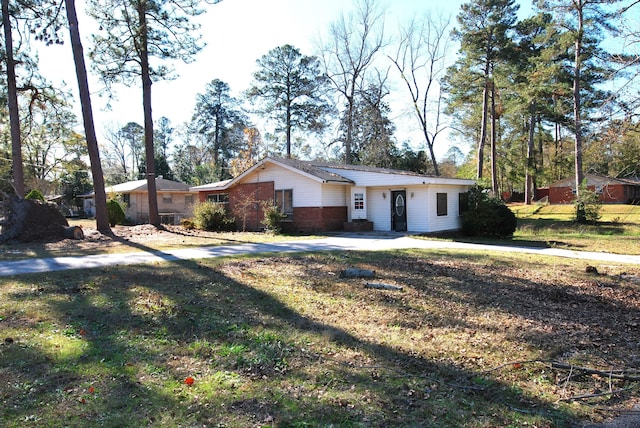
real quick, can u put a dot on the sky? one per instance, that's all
(237, 33)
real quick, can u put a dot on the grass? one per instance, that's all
(285, 341)
(618, 230)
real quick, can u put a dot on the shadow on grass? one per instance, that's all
(135, 333)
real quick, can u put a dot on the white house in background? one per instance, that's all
(318, 197)
(175, 200)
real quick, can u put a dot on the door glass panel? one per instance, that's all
(399, 205)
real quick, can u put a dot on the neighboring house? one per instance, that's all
(319, 197)
(610, 190)
(175, 200)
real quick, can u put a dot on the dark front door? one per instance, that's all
(399, 210)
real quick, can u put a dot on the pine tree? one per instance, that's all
(583, 22)
(292, 90)
(484, 33)
(219, 120)
(133, 33)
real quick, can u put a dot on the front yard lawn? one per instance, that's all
(471, 340)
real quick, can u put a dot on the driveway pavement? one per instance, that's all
(356, 242)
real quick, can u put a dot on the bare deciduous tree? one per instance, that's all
(420, 59)
(354, 42)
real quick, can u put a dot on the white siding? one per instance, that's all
(421, 208)
(307, 192)
(452, 220)
(334, 195)
(418, 209)
(379, 208)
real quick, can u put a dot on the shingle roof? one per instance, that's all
(162, 185)
(212, 186)
(313, 168)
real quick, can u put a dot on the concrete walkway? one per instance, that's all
(356, 242)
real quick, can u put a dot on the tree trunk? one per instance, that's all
(576, 105)
(102, 219)
(288, 120)
(494, 150)
(528, 191)
(483, 125)
(12, 102)
(74, 232)
(432, 154)
(349, 139)
(154, 216)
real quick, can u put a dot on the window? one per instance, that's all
(188, 201)
(126, 198)
(167, 198)
(220, 198)
(463, 203)
(358, 201)
(441, 202)
(284, 200)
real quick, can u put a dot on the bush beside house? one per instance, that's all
(487, 216)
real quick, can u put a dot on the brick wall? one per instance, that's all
(613, 193)
(317, 219)
(245, 206)
(245, 203)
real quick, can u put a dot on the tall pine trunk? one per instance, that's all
(14, 113)
(102, 218)
(154, 216)
(494, 149)
(577, 106)
(288, 125)
(483, 125)
(529, 185)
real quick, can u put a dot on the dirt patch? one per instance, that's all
(123, 239)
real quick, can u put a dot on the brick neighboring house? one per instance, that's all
(610, 190)
(320, 197)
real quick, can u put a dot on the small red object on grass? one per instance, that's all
(189, 381)
(91, 390)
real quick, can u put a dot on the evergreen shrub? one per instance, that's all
(115, 212)
(212, 216)
(487, 216)
(272, 217)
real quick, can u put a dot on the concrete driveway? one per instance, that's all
(355, 242)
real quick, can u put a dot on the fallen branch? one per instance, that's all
(615, 374)
(601, 394)
(357, 273)
(382, 286)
